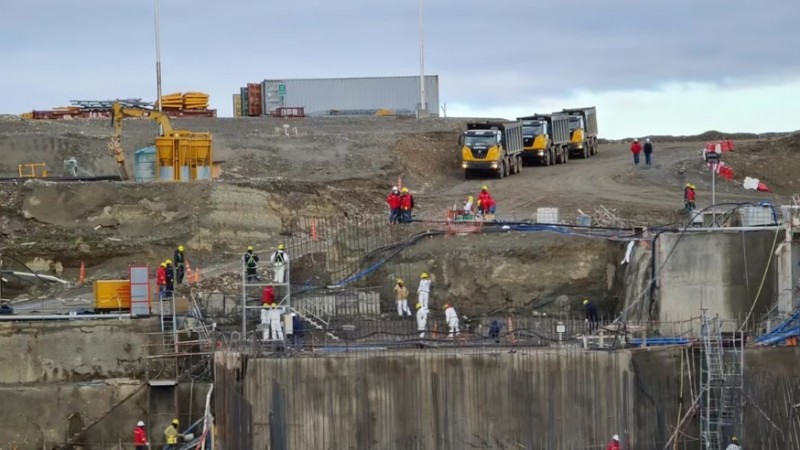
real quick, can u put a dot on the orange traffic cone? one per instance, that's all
(399, 182)
(82, 275)
(189, 278)
(314, 229)
(435, 332)
(197, 275)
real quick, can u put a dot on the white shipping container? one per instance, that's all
(547, 215)
(346, 96)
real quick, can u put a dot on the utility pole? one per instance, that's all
(713, 159)
(158, 62)
(422, 108)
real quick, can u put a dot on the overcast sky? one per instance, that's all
(650, 66)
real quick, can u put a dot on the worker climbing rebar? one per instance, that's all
(275, 323)
(279, 260)
(422, 320)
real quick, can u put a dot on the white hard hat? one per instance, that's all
(140, 424)
(615, 437)
(647, 140)
(394, 188)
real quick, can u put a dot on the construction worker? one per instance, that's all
(486, 204)
(494, 331)
(180, 264)
(298, 332)
(170, 273)
(140, 437)
(636, 148)
(424, 289)
(689, 196)
(161, 279)
(401, 295)
(279, 259)
(648, 152)
(468, 206)
(275, 323)
(268, 295)
(734, 445)
(406, 205)
(614, 444)
(251, 265)
(171, 434)
(265, 319)
(591, 315)
(451, 317)
(422, 320)
(394, 205)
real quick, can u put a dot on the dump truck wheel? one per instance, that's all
(519, 164)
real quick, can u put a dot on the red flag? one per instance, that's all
(725, 172)
(763, 187)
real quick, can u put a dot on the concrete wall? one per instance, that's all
(48, 352)
(440, 400)
(719, 270)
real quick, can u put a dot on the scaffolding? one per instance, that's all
(721, 384)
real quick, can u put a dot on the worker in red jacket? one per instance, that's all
(614, 444)
(394, 205)
(486, 204)
(636, 148)
(268, 295)
(689, 196)
(161, 279)
(140, 437)
(406, 205)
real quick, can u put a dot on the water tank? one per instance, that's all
(166, 173)
(144, 162)
(203, 172)
(756, 216)
(186, 173)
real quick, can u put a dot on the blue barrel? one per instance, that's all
(144, 162)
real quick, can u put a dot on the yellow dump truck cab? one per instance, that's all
(583, 131)
(536, 142)
(492, 147)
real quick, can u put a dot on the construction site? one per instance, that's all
(696, 312)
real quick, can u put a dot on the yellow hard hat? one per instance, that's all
(484, 188)
(169, 261)
(175, 421)
(693, 187)
(281, 246)
(249, 248)
(419, 305)
(180, 248)
(446, 305)
(424, 275)
(688, 184)
(163, 264)
(470, 198)
(399, 281)
(265, 305)
(274, 305)
(405, 189)
(585, 301)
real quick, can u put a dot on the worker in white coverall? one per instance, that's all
(451, 317)
(422, 320)
(275, 323)
(279, 260)
(424, 290)
(265, 315)
(734, 445)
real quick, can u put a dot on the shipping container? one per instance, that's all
(254, 99)
(245, 102)
(237, 105)
(352, 96)
(112, 295)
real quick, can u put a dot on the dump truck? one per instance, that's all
(494, 147)
(545, 138)
(583, 131)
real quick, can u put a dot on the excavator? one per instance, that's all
(120, 112)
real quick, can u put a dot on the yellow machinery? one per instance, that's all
(30, 170)
(112, 295)
(180, 155)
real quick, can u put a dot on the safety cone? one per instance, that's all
(82, 275)
(399, 182)
(197, 275)
(435, 332)
(314, 229)
(188, 273)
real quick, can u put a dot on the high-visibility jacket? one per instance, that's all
(393, 200)
(251, 260)
(279, 256)
(485, 200)
(690, 195)
(171, 435)
(179, 258)
(139, 436)
(406, 202)
(161, 276)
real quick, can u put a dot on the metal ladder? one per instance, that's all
(713, 382)
(169, 329)
(315, 321)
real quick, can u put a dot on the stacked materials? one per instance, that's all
(172, 101)
(195, 100)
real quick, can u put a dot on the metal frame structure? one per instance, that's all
(721, 384)
(284, 296)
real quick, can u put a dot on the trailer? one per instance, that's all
(494, 147)
(583, 131)
(545, 138)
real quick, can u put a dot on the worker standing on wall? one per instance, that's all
(180, 264)
(279, 259)
(591, 315)
(275, 323)
(401, 295)
(422, 320)
(266, 313)
(424, 290)
(636, 148)
(406, 205)
(734, 445)
(486, 204)
(451, 317)
(140, 437)
(171, 434)
(394, 205)
(251, 265)
(161, 279)
(170, 272)
(614, 444)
